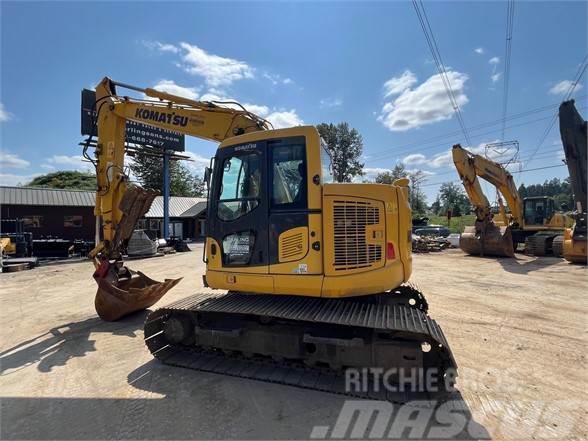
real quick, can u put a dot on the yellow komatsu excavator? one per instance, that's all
(315, 271)
(532, 221)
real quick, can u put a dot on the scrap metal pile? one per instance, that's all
(426, 244)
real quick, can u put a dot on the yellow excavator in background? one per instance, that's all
(533, 221)
(573, 129)
(315, 271)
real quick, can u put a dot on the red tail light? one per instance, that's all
(390, 252)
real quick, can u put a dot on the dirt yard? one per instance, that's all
(517, 328)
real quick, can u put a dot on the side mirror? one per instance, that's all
(207, 174)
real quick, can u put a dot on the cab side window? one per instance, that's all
(288, 177)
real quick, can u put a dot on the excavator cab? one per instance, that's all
(252, 180)
(538, 210)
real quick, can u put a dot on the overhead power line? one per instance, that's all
(513, 172)
(406, 148)
(544, 155)
(507, 51)
(436, 54)
(577, 77)
(436, 145)
(579, 74)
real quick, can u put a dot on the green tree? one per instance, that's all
(436, 206)
(452, 197)
(560, 190)
(345, 145)
(71, 180)
(388, 177)
(149, 170)
(418, 199)
(199, 187)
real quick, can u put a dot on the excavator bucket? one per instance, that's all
(491, 241)
(122, 291)
(119, 296)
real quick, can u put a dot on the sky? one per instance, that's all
(299, 63)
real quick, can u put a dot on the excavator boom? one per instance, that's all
(487, 237)
(573, 136)
(119, 205)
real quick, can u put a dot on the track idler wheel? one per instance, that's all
(179, 329)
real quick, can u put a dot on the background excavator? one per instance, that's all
(314, 270)
(573, 129)
(533, 221)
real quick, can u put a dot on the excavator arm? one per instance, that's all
(471, 166)
(572, 128)
(119, 204)
(487, 236)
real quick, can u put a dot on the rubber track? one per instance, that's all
(333, 311)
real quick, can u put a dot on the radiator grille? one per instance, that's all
(351, 248)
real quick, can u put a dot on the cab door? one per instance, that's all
(238, 214)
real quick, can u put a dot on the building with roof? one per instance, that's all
(187, 217)
(69, 214)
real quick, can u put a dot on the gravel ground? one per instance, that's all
(517, 328)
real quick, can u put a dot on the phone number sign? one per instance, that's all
(136, 133)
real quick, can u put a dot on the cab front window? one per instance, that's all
(240, 186)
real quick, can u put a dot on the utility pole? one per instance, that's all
(166, 194)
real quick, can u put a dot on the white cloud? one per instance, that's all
(370, 173)
(259, 110)
(10, 179)
(563, 87)
(73, 162)
(10, 160)
(283, 119)
(279, 118)
(397, 85)
(216, 70)
(414, 158)
(494, 60)
(197, 162)
(495, 77)
(47, 167)
(425, 104)
(4, 115)
(276, 79)
(445, 158)
(330, 103)
(217, 95)
(424, 172)
(163, 47)
(441, 159)
(479, 50)
(170, 86)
